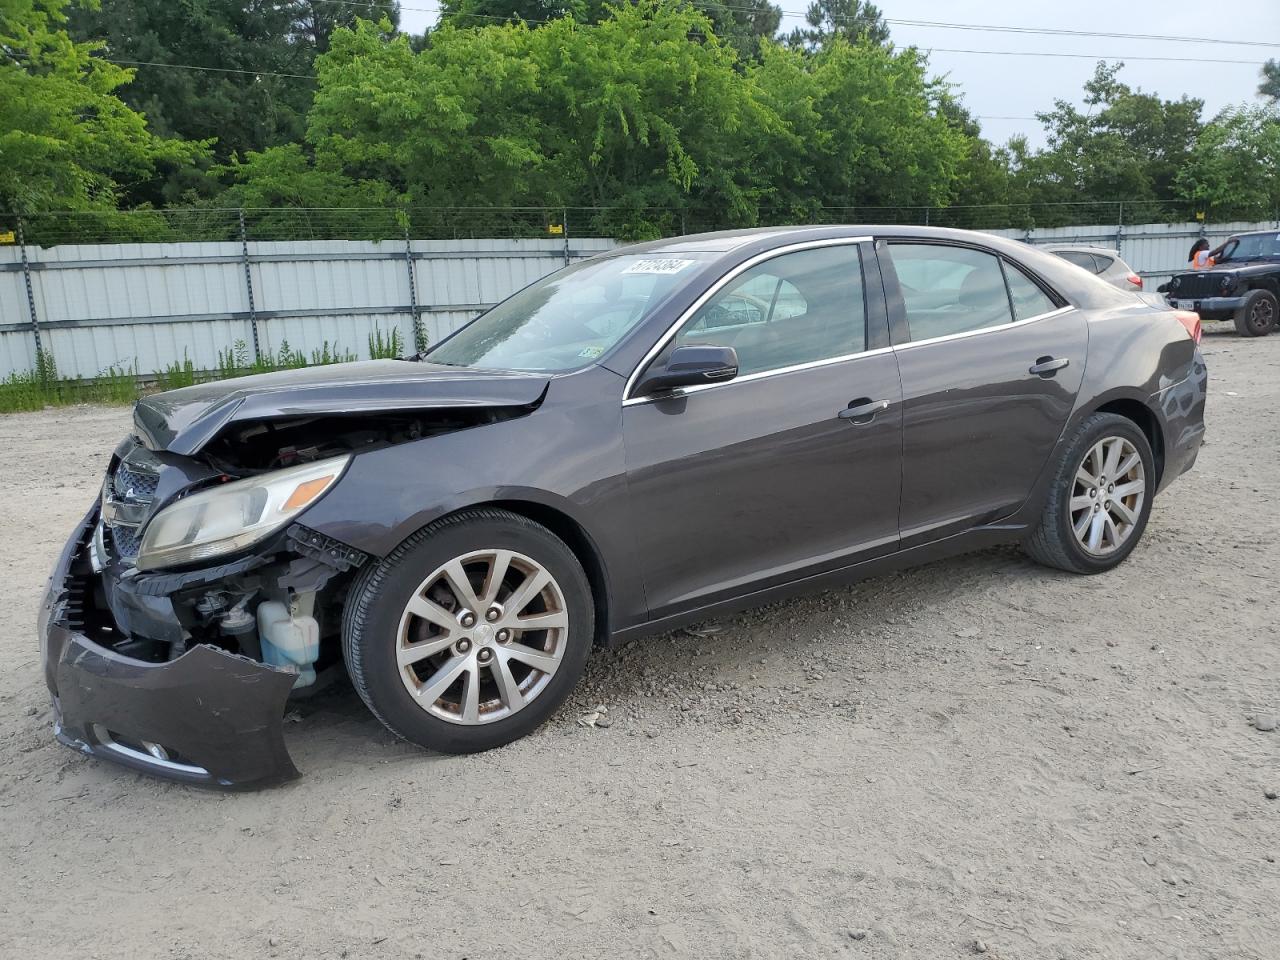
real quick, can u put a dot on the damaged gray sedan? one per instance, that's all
(655, 436)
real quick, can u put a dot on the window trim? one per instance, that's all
(629, 400)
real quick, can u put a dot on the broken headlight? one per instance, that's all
(234, 515)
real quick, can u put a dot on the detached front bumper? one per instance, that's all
(209, 717)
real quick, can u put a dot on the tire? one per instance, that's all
(1056, 542)
(1258, 314)
(380, 631)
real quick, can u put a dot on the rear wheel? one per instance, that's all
(1100, 499)
(471, 633)
(1257, 315)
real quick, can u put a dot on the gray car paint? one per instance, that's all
(691, 506)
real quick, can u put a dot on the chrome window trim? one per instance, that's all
(981, 330)
(761, 375)
(710, 292)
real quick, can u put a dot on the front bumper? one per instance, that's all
(209, 717)
(1208, 305)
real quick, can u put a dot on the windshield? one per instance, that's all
(1253, 246)
(570, 318)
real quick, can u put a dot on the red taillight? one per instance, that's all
(1135, 280)
(1191, 321)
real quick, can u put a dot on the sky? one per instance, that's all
(1018, 86)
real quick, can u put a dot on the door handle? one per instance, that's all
(1048, 366)
(863, 410)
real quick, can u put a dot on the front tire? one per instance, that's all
(471, 633)
(1257, 315)
(1100, 498)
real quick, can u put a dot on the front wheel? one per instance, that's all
(1257, 315)
(471, 633)
(1100, 499)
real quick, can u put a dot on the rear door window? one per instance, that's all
(1028, 299)
(949, 290)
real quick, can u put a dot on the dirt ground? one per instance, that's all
(977, 750)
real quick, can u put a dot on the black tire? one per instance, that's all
(1053, 542)
(1257, 316)
(378, 599)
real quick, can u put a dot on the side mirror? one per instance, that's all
(689, 366)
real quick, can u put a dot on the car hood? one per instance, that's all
(183, 421)
(1247, 268)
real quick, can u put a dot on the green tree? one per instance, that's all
(67, 142)
(1270, 85)
(849, 19)
(1126, 146)
(1234, 169)
(234, 73)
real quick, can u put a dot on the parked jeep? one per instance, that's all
(1243, 285)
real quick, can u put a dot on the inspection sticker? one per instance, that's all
(658, 266)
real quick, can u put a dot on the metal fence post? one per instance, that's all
(31, 297)
(248, 286)
(1120, 228)
(564, 228)
(419, 335)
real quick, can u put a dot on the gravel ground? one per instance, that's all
(977, 755)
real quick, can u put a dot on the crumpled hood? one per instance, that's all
(183, 421)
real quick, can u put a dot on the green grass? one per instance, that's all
(42, 386)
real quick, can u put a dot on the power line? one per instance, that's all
(931, 24)
(192, 66)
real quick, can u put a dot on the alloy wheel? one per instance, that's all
(1107, 496)
(482, 636)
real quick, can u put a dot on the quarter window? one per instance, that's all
(949, 290)
(1028, 299)
(795, 308)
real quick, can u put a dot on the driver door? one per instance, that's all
(757, 481)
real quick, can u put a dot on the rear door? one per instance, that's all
(991, 361)
(759, 480)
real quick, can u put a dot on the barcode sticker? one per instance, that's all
(658, 266)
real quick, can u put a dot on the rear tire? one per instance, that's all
(1091, 521)
(471, 633)
(1257, 315)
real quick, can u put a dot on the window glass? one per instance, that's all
(1103, 263)
(796, 308)
(1253, 246)
(1079, 259)
(949, 289)
(1028, 299)
(568, 319)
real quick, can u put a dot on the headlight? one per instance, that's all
(234, 515)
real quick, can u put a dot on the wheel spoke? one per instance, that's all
(542, 621)
(493, 580)
(1114, 452)
(442, 679)
(420, 651)
(1081, 525)
(460, 584)
(1084, 477)
(1129, 463)
(1119, 510)
(471, 695)
(508, 689)
(1096, 528)
(1098, 455)
(432, 612)
(1128, 489)
(538, 659)
(532, 586)
(1082, 503)
(1110, 531)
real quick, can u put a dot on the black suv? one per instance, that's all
(1242, 286)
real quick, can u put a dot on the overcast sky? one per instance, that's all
(1018, 86)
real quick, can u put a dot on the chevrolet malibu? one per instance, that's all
(662, 434)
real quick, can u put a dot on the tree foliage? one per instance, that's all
(1234, 168)
(67, 142)
(850, 20)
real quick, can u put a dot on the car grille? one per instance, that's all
(1196, 286)
(127, 497)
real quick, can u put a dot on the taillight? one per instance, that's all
(1191, 321)
(1135, 280)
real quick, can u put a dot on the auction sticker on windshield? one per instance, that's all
(658, 266)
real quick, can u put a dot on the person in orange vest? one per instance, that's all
(1200, 257)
